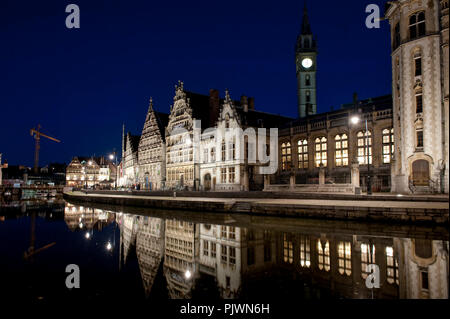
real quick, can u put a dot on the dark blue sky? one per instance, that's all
(82, 84)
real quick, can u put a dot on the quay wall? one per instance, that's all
(409, 213)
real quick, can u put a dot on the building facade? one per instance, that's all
(332, 141)
(90, 172)
(151, 154)
(420, 86)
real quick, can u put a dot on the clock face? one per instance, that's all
(307, 63)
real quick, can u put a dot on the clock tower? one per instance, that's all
(305, 62)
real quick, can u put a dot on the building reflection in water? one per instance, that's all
(242, 262)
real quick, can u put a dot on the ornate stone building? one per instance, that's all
(333, 141)
(152, 150)
(183, 153)
(225, 165)
(420, 85)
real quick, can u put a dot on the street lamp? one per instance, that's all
(355, 120)
(113, 156)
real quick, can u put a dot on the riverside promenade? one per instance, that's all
(382, 208)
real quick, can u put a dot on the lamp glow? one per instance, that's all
(108, 246)
(354, 119)
(87, 235)
(187, 274)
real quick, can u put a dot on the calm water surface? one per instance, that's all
(149, 255)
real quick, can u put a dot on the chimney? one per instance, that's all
(214, 106)
(251, 103)
(244, 103)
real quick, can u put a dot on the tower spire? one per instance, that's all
(306, 27)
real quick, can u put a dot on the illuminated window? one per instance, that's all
(391, 266)
(321, 151)
(205, 248)
(288, 251)
(364, 139)
(388, 145)
(417, 25)
(305, 252)
(341, 144)
(367, 257)
(323, 255)
(231, 174)
(345, 258)
(302, 150)
(286, 158)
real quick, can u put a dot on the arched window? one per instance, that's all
(321, 151)
(305, 251)
(323, 255)
(307, 80)
(308, 96)
(213, 154)
(388, 144)
(391, 266)
(367, 257)
(341, 153)
(286, 158)
(345, 258)
(417, 25)
(302, 150)
(288, 250)
(364, 140)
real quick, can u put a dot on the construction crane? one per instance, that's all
(37, 136)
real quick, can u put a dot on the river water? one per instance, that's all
(125, 253)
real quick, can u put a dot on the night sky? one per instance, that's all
(82, 84)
